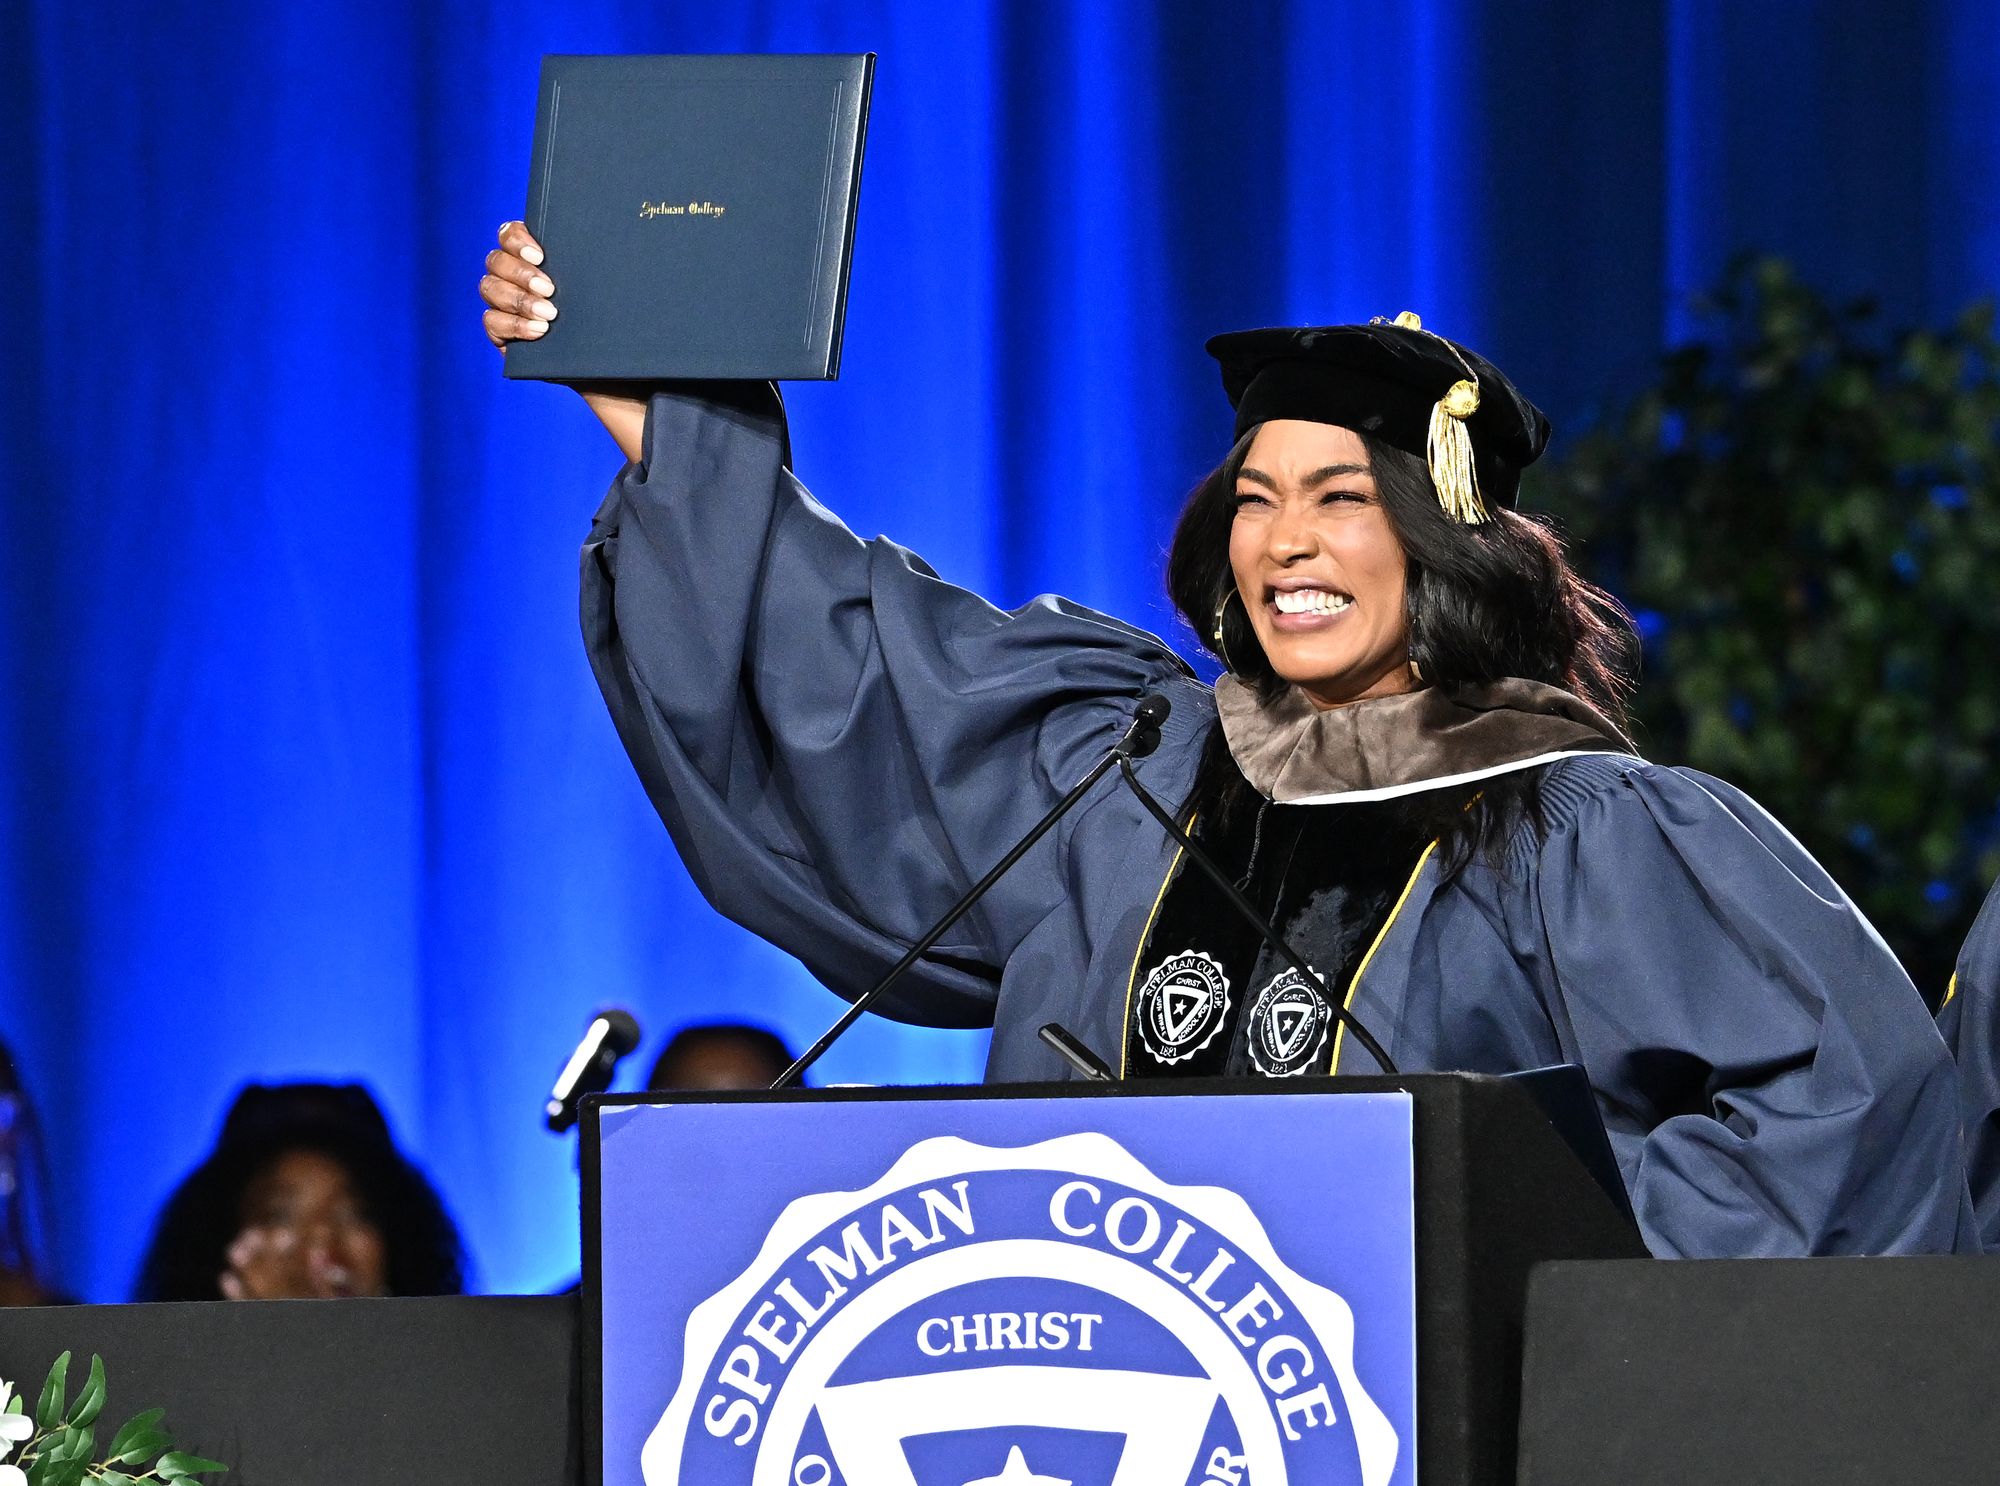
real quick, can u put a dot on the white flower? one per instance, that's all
(14, 1428)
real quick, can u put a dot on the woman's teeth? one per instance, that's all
(1310, 601)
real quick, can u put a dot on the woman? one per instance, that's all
(1415, 763)
(305, 1197)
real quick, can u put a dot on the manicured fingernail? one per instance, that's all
(533, 254)
(541, 285)
(541, 309)
(536, 327)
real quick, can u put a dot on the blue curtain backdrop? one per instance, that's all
(304, 773)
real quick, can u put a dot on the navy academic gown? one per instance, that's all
(1970, 1021)
(841, 742)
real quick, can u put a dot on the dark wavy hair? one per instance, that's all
(761, 1043)
(189, 1250)
(1484, 603)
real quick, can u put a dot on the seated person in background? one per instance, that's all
(720, 1055)
(305, 1196)
(25, 1270)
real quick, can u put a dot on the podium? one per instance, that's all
(1199, 1281)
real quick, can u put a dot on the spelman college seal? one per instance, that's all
(1053, 1315)
(1182, 1005)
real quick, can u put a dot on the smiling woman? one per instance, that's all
(1317, 565)
(1325, 568)
(1416, 766)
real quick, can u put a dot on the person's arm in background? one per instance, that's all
(1970, 1022)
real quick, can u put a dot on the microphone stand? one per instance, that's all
(1244, 906)
(1140, 739)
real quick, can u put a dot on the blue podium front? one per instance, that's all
(954, 1288)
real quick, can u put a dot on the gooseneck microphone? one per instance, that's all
(1073, 1052)
(611, 1035)
(1257, 920)
(1140, 739)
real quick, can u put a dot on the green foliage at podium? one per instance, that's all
(58, 1444)
(1803, 514)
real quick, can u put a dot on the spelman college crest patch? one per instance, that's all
(1182, 1005)
(1049, 1315)
(1289, 1021)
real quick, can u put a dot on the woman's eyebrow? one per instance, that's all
(1332, 472)
(1317, 477)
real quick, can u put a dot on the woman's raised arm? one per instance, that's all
(520, 305)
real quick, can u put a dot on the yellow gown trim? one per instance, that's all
(1353, 985)
(1340, 1029)
(1132, 978)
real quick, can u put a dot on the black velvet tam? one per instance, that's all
(1381, 380)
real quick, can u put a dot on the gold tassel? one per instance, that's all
(1450, 446)
(1450, 453)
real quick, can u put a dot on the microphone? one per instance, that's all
(611, 1035)
(1141, 738)
(1257, 920)
(1074, 1053)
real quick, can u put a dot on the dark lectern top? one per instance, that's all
(1508, 1174)
(448, 1392)
(1782, 1372)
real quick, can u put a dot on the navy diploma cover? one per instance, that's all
(698, 215)
(875, 1289)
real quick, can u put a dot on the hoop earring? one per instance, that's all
(1221, 649)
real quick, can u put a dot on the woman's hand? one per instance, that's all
(520, 306)
(520, 298)
(276, 1263)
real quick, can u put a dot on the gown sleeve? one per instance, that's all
(1970, 1022)
(1772, 1082)
(839, 742)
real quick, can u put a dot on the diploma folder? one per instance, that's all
(697, 214)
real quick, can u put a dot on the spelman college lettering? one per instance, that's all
(1047, 1315)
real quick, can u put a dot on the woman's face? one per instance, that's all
(306, 1202)
(1318, 566)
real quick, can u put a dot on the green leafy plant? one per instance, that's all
(1803, 514)
(58, 1443)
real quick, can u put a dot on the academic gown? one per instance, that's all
(840, 743)
(1970, 1022)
